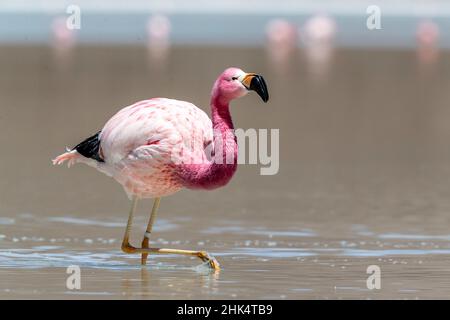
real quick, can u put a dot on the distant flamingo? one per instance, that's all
(155, 147)
(158, 39)
(427, 36)
(63, 40)
(318, 35)
(281, 36)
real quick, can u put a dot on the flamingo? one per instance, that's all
(156, 147)
(319, 33)
(63, 41)
(158, 39)
(281, 42)
(427, 36)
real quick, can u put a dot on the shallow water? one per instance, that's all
(364, 180)
(257, 262)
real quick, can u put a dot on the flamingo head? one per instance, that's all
(234, 83)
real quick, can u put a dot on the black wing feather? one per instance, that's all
(90, 147)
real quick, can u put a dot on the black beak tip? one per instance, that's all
(258, 84)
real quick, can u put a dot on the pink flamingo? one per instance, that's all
(63, 40)
(319, 33)
(427, 35)
(158, 39)
(281, 42)
(155, 147)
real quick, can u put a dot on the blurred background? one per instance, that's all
(359, 90)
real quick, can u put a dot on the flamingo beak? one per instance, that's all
(255, 82)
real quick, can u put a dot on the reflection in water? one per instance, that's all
(150, 283)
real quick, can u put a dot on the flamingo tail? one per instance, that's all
(71, 156)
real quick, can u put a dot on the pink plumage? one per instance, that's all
(281, 36)
(427, 36)
(158, 39)
(155, 147)
(139, 143)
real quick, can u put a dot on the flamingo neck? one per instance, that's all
(223, 164)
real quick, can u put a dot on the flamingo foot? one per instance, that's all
(203, 255)
(206, 257)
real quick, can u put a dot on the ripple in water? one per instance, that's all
(39, 257)
(161, 225)
(7, 221)
(258, 231)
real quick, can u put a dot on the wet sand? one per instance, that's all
(364, 180)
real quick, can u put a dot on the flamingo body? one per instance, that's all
(138, 144)
(155, 147)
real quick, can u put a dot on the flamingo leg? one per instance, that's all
(145, 250)
(126, 237)
(148, 231)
